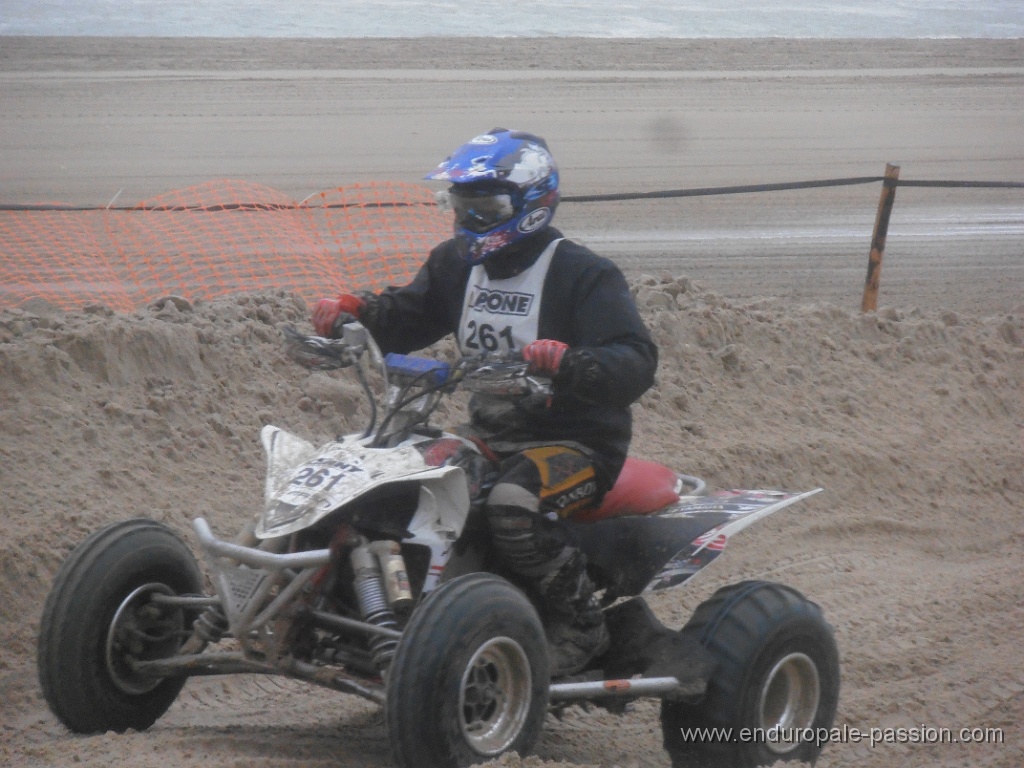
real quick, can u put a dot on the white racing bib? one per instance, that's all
(501, 315)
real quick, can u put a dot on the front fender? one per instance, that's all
(305, 484)
(285, 452)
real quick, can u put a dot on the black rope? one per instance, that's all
(705, 191)
(616, 196)
(963, 184)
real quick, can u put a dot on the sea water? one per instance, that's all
(516, 18)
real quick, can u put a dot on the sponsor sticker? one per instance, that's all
(535, 220)
(501, 302)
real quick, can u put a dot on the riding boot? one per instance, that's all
(537, 550)
(575, 623)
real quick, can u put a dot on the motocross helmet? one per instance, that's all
(504, 188)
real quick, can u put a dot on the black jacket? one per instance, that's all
(585, 302)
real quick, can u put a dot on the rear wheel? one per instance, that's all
(100, 615)
(774, 693)
(469, 680)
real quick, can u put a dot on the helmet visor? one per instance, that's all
(481, 210)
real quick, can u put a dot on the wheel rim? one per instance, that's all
(141, 631)
(789, 702)
(494, 698)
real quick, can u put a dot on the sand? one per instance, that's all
(911, 417)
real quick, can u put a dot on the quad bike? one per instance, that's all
(368, 571)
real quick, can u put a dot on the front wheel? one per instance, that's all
(469, 680)
(774, 693)
(100, 615)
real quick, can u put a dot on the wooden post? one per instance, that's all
(869, 303)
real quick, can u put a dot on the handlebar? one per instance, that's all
(413, 386)
(496, 374)
(323, 354)
(507, 376)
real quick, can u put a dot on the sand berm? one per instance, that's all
(910, 419)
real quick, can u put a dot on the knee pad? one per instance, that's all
(530, 545)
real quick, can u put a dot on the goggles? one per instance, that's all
(481, 210)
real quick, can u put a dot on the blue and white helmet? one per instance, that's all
(504, 188)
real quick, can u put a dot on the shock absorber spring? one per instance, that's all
(373, 604)
(212, 624)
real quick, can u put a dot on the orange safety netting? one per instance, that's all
(219, 238)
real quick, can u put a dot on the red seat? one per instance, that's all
(643, 487)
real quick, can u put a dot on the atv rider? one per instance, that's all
(506, 281)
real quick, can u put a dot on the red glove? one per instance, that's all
(327, 311)
(545, 356)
